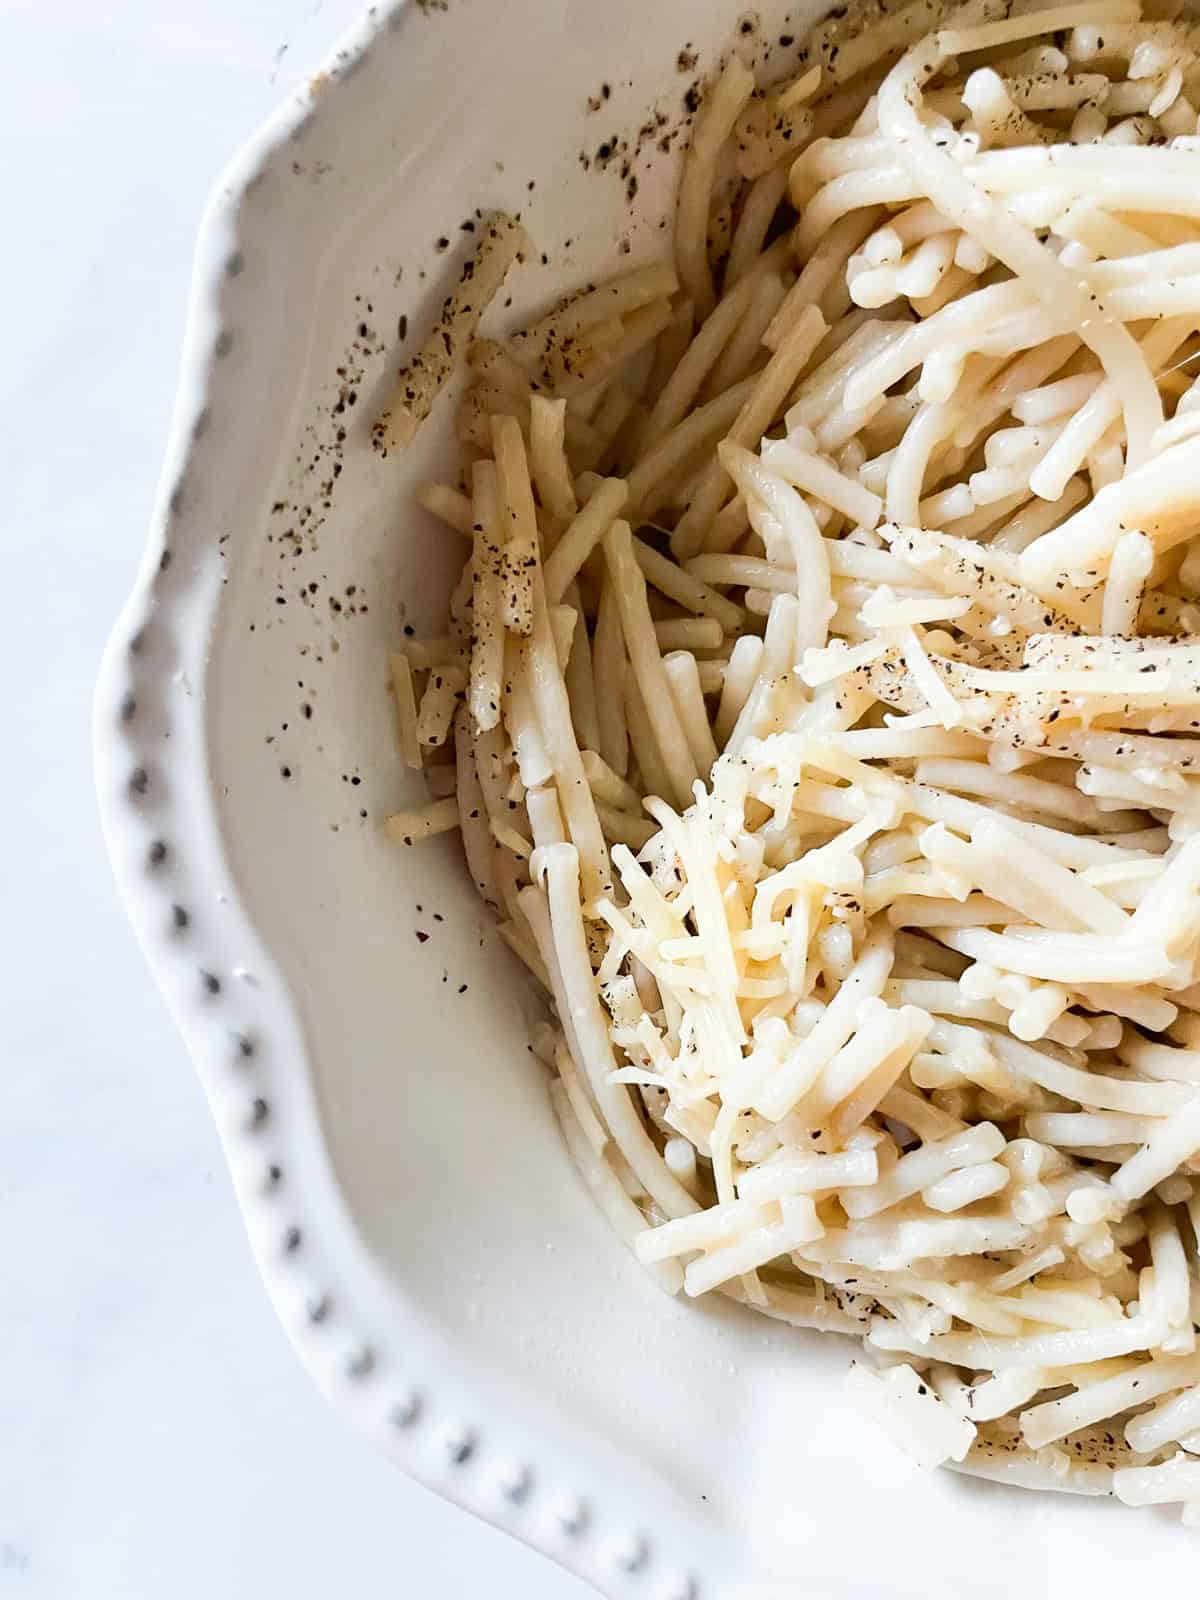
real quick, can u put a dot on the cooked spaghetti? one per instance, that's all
(820, 708)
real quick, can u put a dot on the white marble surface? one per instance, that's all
(158, 1441)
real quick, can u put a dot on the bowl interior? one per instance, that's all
(490, 1258)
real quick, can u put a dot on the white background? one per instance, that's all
(158, 1440)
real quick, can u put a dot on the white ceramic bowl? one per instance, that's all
(359, 1029)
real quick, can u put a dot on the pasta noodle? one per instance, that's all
(824, 691)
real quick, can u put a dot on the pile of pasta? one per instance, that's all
(820, 708)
